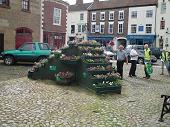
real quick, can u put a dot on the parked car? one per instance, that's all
(28, 52)
(141, 57)
(156, 52)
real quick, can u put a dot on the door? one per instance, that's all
(1, 42)
(27, 52)
(23, 35)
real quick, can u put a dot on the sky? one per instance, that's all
(74, 1)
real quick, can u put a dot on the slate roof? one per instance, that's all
(121, 4)
(80, 7)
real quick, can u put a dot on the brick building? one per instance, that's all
(107, 19)
(54, 22)
(19, 22)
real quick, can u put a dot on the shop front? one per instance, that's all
(141, 39)
(55, 40)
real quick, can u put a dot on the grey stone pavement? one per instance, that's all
(27, 103)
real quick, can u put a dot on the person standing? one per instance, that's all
(121, 58)
(134, 57)
(164, 59)
(147, 59)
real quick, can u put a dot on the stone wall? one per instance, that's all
(13, 17)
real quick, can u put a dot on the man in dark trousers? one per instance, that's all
(133, 58)
(121, 58)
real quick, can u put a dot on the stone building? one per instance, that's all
(20, 22)
(54, 22)
(142, 31)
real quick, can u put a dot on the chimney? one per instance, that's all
(79, 2)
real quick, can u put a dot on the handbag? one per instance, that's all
(149, 68)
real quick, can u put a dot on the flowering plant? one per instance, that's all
(65, 75)
(101, 68)
(108, 75)
(63, 57)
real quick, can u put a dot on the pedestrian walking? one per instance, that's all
(133, 58)
(147, 60)
(121, 58)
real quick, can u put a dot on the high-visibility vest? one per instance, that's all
(147, 55)
(165, 56)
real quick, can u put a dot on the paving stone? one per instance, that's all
(24, 102)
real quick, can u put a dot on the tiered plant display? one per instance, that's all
(97, 72)
(83, 64)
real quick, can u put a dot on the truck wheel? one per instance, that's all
(9, 60)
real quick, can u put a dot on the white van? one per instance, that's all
(119, 41)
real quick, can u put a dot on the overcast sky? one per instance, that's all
(74, 1)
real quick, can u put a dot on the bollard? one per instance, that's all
(162, 67)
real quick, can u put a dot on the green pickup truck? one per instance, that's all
(28, 52)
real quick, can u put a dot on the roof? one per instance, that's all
(63, 2)
(79, 7)
(121, 4)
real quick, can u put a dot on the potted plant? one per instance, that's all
(64, 78)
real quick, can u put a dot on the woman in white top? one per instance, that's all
(134, 58)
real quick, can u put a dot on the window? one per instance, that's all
(26, 5)
(149, 13)
(120, 27)
(28, 47)
(133, 28)
(102, 28)
(148, 28)
(111, 25)
(134, 14)
(72, 29)
(162, 25)
(81, 28)
(102, 15)
(111, 15)
(93, 27)
(163, 7)
(57, 16)
(4, 2)
(93, 16)
(43, 46)
(81, 16)
(121, 15)
(141, 28)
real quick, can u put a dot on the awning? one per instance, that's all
(142, 37)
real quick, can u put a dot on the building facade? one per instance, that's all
(163, 24)
(142, 25)
(19, 22)
(77, 21)
(106, 21)
(54, 23)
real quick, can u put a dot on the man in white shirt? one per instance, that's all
(134, 57)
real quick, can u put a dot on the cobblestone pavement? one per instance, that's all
(27, 103)
(13, 72)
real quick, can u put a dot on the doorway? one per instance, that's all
(23, 35)
(1, 42)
